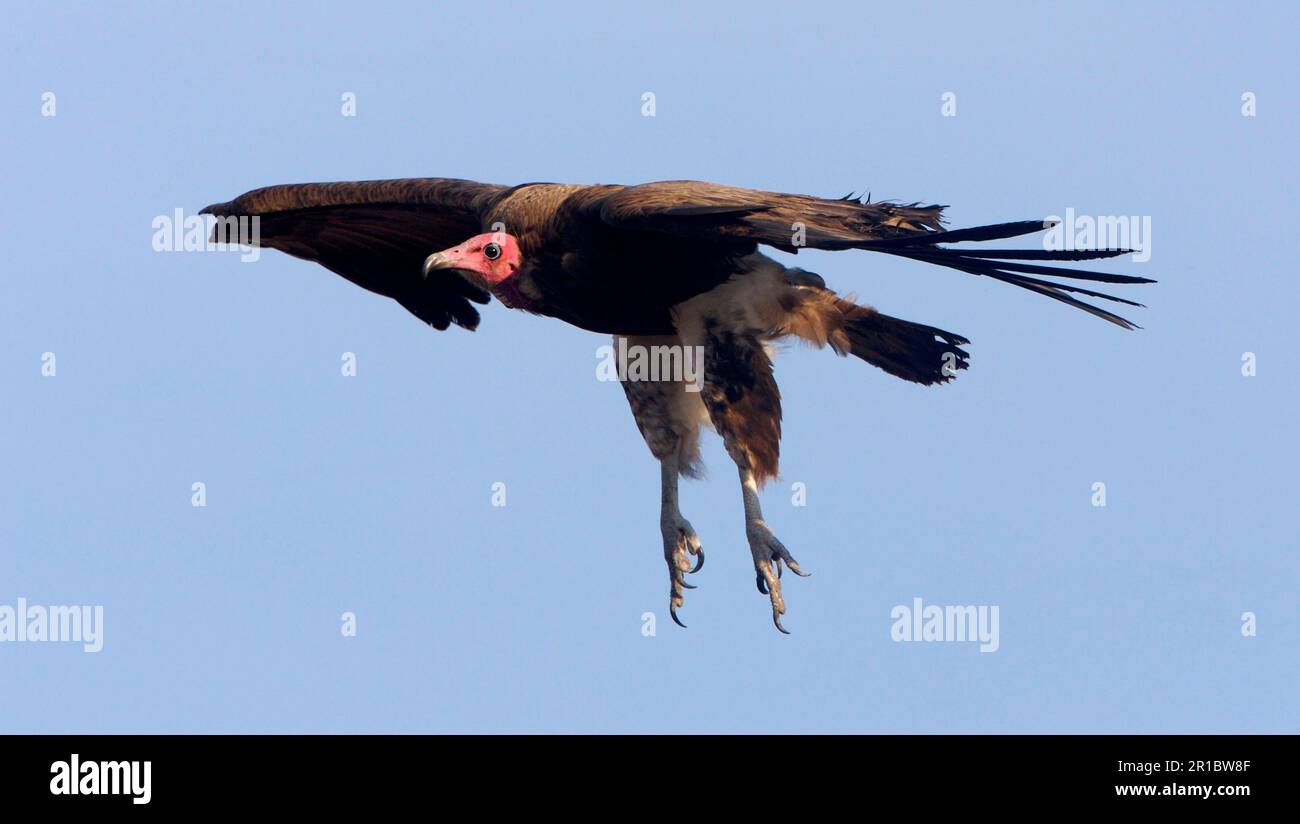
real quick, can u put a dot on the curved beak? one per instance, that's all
(437, 260)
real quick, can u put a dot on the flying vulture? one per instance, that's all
(668, 264)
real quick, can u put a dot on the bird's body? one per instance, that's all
(673, 266)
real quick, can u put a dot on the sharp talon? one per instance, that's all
(767, 550)
(685, 585)
(678, 621)
(699, 561)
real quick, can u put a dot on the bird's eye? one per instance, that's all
(492, 251)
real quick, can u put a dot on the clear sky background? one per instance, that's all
(372, 494)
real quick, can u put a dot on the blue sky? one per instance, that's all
(372, 494)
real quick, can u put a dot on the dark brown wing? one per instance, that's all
(785, 221)
(377, 234)
(687, 208)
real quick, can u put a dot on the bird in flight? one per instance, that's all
(672, 264)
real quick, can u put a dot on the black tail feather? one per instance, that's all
(912, 351)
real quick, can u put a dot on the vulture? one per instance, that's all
(671, 266)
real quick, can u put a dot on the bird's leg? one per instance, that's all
(768, 552)
(679, 537)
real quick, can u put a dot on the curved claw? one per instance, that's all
(796, 570)
(676, 546)
(769, 557)
(783, 554)
(678, 621)
(699, 561)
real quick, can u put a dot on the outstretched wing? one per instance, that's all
(790, 222)
(377, 235)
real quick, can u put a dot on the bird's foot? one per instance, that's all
(769, 553)
(680, 539)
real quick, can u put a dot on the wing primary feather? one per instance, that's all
(1051, 290)
(1045, 254)
(996, 231)
(940, 254)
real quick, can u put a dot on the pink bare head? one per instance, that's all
(487, 259)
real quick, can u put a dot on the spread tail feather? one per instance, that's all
(912, 351)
